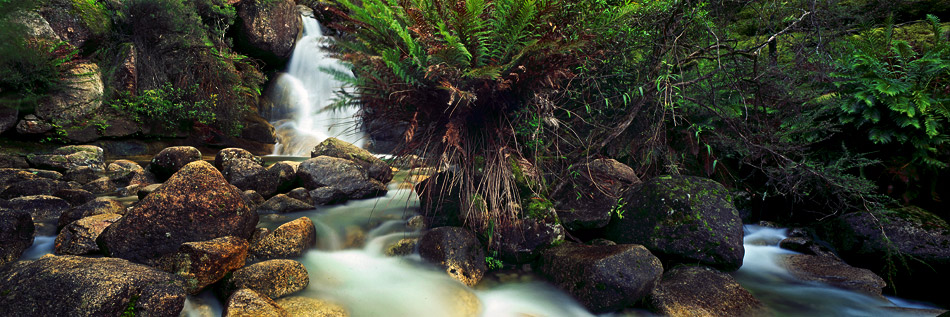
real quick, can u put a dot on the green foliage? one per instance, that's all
(130, 308)
(169, 107)
(494, 263)
(618, 208)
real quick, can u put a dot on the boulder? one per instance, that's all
(253, 199)
(311, 307)
(272, 278)
(203, 263)
(702, 291)
(66, 157)
(267, 29)
(457, 251)
(31, 124)
(75, 197)
(681, 219)
(8, 118)
(602, 278)
(16, 234)
(98, 206)
(909, 246)
(79, 286)
(147, 190)
(830, 271)
(101, 186)
(340, 176)
(81, 98)
(13, 161)
(83, 174)
(78, 22)
(591, 191)
(248, 303)
(224, 157)
(79, 237)
(37, 28)
(523, 240)
(299, 193)
(258, 129)
(43, 208)
(238, 170)
(125, 173)
(247, 174)
(290, 240)
(282, 203)
(31, 187)
(195, 204)
(171, 159)
(375, 167)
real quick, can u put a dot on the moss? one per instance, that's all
(130, 308)
(93, 15)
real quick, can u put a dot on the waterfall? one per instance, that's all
(301, 97)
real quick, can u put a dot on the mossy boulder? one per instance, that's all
(79, 286)
(71, 108)
(702, 291)
(16, 234)
(592, 189)
(457, 251)
(203, 263)
(602, 278)
(66, 157)
(681, 219)
(375, 167)
(195, 204)
(910, 247)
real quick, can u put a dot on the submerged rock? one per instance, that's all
(457, 251)
(78, 286)
(603, 278)
(586, 199)
(248, 303)
(290, 240)
(681, 219)
(702, 291)
(195, 204)
(16, 234)
(273, 278)
(403, 247)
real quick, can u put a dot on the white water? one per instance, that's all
(301, 97)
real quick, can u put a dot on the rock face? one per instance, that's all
(81, 99)
(171, 159)
(273, 278)
(267, 29)
(457, 251)
(195, 204)
(77, 286)
(338, 177)
(290, 240)
(585, 201)
(603, 278)
(920, 237)
(79, 237)
(682, 219)
(833, 272)
(16, 234)
(375, 167)
(702, 291)
(248, 303)
(201, 264)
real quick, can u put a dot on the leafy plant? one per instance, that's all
(168, 106)
(618, 208)
(493, 263)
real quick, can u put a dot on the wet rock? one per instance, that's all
(101, 186)
(79, 237)
(248, 303)
(403, 247)
(457, 251)
(523, 240)
(66, 157)
(290, 240)
(13, 161)
(83, 174)
(75, 197)
(339, 175)
(603, 278)
(311, 307)
(31, 187)
(79, 286)
(681, 219)
(833, 272)
(195, 204)
(32, 125)
(8, 118)
(203, 263)
(702, 291)
(43, 208)
(98, 206)
(375, 167)
(224, 157)
(171, 159)
(16, 234)
(804, 241)
(283, 203)
(910, 243)
(273, 278)
(594, 187)
(267, 29)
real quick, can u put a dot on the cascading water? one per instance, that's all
(302, 95)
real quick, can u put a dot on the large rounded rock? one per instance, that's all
(267, 29)
(80, 99)
(375, 167)
(247, 174)
(830, 271)
(224, 157)
(99, 206)
(340, 176)
(273, 278)
(239, 170)
(78, 286)
(171, 159)
(603, 278)
(16, 234)
(593, 188)
(83, 174)
(457, 251)
(75, 197)
(248, 303)
(910, 244)
(702, 291)
(79, 237)
(201, 264)
(38, 186)
(43, 208)
(290, 240)
(681, 219)
(124, 173)
(195, 204)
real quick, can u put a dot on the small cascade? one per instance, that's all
(302, 95)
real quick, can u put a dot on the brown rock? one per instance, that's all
(248, 303)
(79, 237)
(171, 159)
(457, 251)
(702, 291)
(290, 240)
(272, 278)
(16, 234)
(833, 272)
(299, 306)
(267, 29)
(201, 264)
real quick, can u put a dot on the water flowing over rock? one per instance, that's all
(457, 251)
(79, 237)
(702, 291)
(290, 240)
(682, 219)
(273, 278)
(267, 29)
(603, 278)
(375, 167)
(339, 176)
(171, 159)
(195, 204)
(203, 263)
(78, 286)
(584, 201)
(248, 303)
(16, 234)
